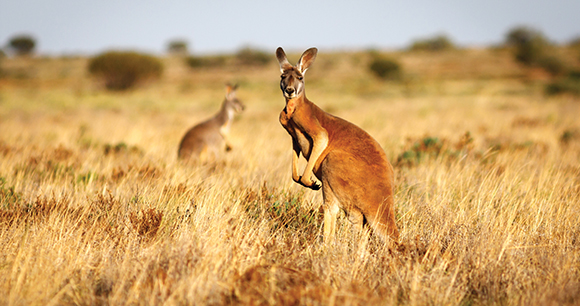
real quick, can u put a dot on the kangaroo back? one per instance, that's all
(208, 139)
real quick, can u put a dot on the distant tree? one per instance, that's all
(521, 35)
(123, 70)
(437, 43)
(532, 48)
(530, 45)
(22, 44)
(178, 47)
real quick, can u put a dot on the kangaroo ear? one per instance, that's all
(282, 59)
(306, 59)
(230, 90)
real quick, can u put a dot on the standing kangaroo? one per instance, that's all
(347, 163)
(206, 140)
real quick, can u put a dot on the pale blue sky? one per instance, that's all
(88, 27)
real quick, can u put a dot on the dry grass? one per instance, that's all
(96, 209)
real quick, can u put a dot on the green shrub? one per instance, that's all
(178, 47)
(206, 61)
(421, 150)
(568, 85)
(522, 35)
(532, 48)
(123, 70)
(553, 65)
(385, 68)
(531, 52)
(569, 136)
(437, 43)
(432, 147)
(22, 44)
(251, 57)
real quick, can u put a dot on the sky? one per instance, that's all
(68, 27)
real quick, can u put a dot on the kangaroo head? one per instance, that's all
(292, 78)
(231, 100)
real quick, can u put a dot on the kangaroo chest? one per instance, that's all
(303, 140)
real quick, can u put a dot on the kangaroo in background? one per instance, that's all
(347, 163)
(208, 139)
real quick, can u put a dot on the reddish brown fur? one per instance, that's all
(346, 162)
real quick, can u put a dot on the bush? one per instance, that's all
(22, 44)
(522, 35)
(553, 65)
(206, 61)
(123, 70)
(569, 85)
(530, 45)
(432, 147)
(251, 57)
(178, 47)
(531, 52)
(386, 69)
(438, 43)
(532, 48)
(569, 136)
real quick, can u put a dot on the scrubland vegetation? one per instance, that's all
(95, 208)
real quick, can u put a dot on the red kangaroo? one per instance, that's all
(346, 162)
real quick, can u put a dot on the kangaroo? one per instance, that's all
(206, 140)
(346, 162)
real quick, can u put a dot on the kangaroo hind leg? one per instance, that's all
(331, 209)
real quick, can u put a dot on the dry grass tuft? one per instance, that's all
(146, 222)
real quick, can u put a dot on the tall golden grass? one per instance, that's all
(95, 209)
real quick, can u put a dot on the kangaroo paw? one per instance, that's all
(313, 184)
(316, 185)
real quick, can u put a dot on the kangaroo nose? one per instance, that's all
(289, 90)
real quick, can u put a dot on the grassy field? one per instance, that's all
(95, 208)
